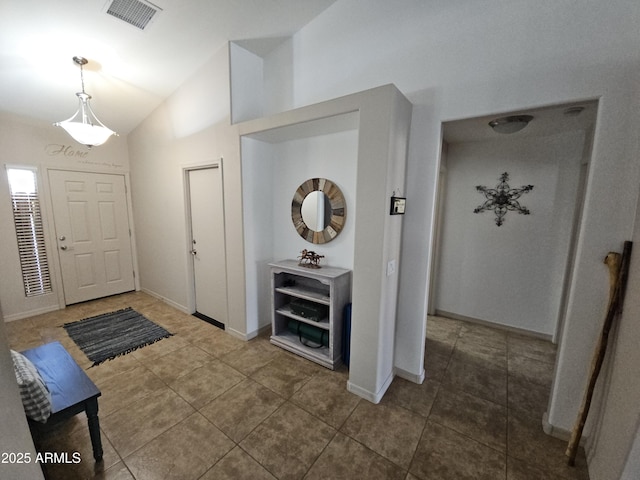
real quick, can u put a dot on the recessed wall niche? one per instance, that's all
(360, 141)
(274, 163)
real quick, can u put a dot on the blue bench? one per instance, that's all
(72, 391)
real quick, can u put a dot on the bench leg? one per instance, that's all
(94, 428)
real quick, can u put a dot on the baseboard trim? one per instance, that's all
(30, 313)
(264, 328)
(168, 301)
(239, 335)
(373, 397)
(248, 336)
(521, 331)
(411, 377)
(557, 432)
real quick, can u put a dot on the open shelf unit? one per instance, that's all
(327, 286)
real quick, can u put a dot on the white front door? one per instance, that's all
(92, 231)
(208, 244)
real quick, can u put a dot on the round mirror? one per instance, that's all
(318, 210)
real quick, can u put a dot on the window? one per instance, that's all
(29, 231)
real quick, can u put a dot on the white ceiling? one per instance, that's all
(546, 121)
(130, 71)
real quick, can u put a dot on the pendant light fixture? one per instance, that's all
(84, 126)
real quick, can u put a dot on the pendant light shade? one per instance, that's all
(84, 127)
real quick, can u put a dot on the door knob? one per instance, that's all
(63, 247)
(193, 252)
(62, 238)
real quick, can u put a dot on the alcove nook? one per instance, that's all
(359, 142)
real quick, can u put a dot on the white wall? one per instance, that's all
(183, 131)
(617, 439)
(331, 156)
(466, 59)
(258, 165)
(15, 437)
(513, 274)
(37, 144)
(271, 173)
(247, 95)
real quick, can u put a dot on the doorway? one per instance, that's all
(511, 271)
(91, 219)
(205, 204)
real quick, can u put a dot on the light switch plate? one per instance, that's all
(391, 268)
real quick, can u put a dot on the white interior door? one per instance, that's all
(92, 231)
(208, 245)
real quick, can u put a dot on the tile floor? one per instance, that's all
(203, 405)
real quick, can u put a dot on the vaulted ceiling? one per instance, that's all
(130, 70)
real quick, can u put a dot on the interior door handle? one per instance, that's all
(63, 247)
(193, 252)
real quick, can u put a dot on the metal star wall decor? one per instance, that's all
(503, 198)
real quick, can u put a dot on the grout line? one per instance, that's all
(424, 429)
(475, 440)
(335, 434)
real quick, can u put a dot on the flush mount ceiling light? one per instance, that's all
(84, 126)
(510, 124)
(574, 111)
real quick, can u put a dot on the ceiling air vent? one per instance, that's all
(134, 12)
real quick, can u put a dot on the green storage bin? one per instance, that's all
(303, 331)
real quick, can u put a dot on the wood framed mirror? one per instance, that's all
(318, 210)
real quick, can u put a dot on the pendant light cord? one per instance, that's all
(82, 77)
(81, 61)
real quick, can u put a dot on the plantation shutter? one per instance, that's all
(30, 235)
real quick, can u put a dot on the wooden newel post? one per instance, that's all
(618, 272)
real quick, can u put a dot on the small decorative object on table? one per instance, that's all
(309, 259)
